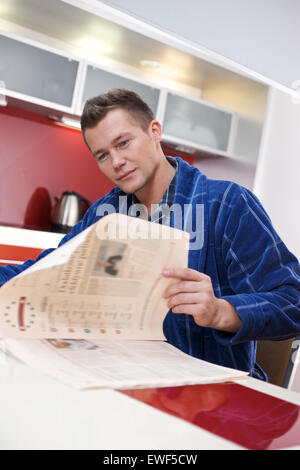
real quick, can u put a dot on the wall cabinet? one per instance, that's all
(247, 139)
(98, 81)
(197, 123)
(31, 72)
(35, 73)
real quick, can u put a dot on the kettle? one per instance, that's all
(68, 210)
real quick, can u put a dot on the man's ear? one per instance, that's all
(155, 130)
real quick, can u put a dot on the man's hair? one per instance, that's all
(96, 108)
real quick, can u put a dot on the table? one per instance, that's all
(38, 412)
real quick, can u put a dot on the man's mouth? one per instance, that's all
(125, 175)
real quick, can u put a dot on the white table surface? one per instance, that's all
(38, 412)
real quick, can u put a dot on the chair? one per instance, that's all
(275, 359)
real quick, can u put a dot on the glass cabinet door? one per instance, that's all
(36, 72)
(197, 122)
(100, 81)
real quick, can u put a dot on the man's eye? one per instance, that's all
(101, 157)
(123, 143)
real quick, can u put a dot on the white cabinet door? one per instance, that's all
(100, 81)
(197, 123)
(36, 72)
(247, 142)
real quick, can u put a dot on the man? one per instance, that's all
(242, 283)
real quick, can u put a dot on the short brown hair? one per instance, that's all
(95, 109)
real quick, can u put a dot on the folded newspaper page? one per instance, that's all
(105, 282)
(117, 364)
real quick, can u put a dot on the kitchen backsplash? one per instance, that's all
(40, 160)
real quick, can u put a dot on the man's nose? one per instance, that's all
(117, 159)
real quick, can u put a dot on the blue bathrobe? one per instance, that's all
(233, 241)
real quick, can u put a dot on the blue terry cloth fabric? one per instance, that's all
(233, 241)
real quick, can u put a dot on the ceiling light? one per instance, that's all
(3, 100)
(94, 46)
(66, 121)
(71, 122)
(153, 64)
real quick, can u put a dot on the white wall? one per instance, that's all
(295, 377)
(262, 35)
(277, 181)
(224, 168)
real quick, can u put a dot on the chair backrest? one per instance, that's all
(274, 358)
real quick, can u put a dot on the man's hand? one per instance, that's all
(193, 294)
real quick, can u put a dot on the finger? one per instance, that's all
(200, 317)
(187, 274)
(184, 299)
(182, 286)
(188, 309)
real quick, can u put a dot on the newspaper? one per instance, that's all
(105, 282)
(90, 313)
(117, 364)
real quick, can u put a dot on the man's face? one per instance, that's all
(125, 153)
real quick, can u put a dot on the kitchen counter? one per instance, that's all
(30, 238)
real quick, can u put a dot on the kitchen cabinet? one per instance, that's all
(38, 74)
(196, 123)
(35, 74)
(247, 139)
(99, 81)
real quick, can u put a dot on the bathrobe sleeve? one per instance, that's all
(263, 274)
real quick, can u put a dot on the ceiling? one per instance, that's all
(105, 42)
